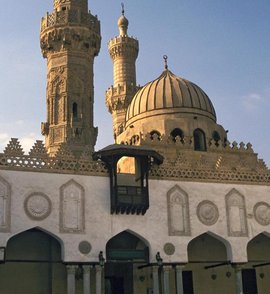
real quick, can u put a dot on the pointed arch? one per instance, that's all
(209, 247)
(258, 248)
(127, 245)
(43, 230)
(177, 133)
(178, 212)
(236, 214)
(36, 255)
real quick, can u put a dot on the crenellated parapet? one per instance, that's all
(116, 96)
(179, 152)
(67, 4)
(83, 32)
(123, 46)
(38, 160)
(228, 166)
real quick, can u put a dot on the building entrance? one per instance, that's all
(32, 265)
(119, 278)
(123, 251)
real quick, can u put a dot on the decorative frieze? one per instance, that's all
(178, 212)
(236, 214)
(72, 214)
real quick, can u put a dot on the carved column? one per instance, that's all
(179, 279)
(155, 279)
(98, 279)
(166, 277)
(239, 283)
(86, 279)
(71, 270)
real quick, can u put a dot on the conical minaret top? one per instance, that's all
(124, 52)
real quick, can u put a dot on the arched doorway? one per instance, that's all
(123, 252)
(256, 274)
(208, 263)
(33, 265)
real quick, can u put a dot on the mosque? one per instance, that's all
(173, 207)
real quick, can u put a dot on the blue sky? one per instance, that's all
(221, 45)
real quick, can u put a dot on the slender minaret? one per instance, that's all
(124, 52)
(70, 40)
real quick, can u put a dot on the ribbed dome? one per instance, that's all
(170, 94)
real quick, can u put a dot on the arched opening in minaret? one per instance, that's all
(33, 264)
(199, 140)
(75, 111)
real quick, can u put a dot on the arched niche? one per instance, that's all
(236, 214)
(33, 261)
(208, 247)
(178, 212)
(5, 202)
(258, 248)
(72, 208)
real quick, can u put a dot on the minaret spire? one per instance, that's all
(70, 40)
(124, 52)
(123, 22)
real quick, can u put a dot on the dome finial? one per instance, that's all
(123, 8)
(165, 57)
(123, 22)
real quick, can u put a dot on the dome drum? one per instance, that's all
(165, 126)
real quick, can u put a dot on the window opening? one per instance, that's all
(199, 140)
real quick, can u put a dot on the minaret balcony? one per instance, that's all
(71, 17)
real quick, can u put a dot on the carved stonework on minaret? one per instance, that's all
(124, 52)
(70, 40)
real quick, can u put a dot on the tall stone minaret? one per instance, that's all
(124, 52)
(70, 40)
